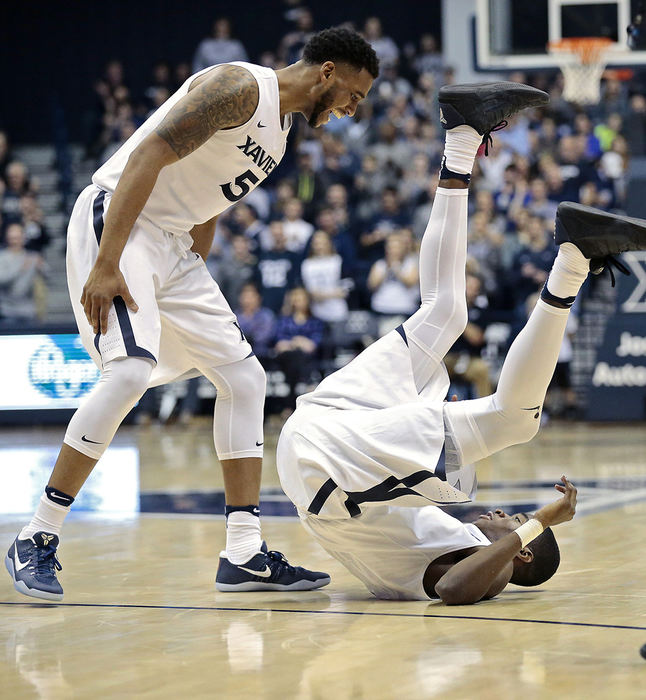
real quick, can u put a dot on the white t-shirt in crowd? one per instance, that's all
(324, 275)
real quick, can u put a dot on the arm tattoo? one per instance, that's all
(225, 99)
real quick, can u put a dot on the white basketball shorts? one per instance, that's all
(183, 324)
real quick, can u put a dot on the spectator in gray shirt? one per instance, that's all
(219, 48)
(19, 273)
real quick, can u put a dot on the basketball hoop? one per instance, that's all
(582, 62)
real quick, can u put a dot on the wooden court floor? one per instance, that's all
(141, 618)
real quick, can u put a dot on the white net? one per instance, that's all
(582, 62)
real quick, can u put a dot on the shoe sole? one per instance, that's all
(589, 225)
(248, 586)
(21, 587)
(500, 86)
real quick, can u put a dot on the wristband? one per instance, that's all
(529, 531)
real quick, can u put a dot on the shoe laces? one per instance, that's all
(46, 561)
(279, 557)
(487, 139)
(608, 263)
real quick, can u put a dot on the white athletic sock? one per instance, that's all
(568, 272)
(460, 149)
(49, 517)
(243, 536)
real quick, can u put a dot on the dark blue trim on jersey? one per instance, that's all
(440, 469)
(97, 209)
(402, 332)
(97, 220)
(321, 496)
(132, 349)
(388, 490)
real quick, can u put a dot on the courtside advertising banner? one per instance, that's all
(44, 372)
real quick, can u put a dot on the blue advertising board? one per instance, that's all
(48, 371)
(618, 388)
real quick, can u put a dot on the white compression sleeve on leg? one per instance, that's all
(93, 426)
(512, 415)
(442, 317)
(239, 408)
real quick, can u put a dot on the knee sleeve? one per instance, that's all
(480, 428)
(239, 408)
(122, 383)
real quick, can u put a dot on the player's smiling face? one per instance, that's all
(496, 524)
(342, 87)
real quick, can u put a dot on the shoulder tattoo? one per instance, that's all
(225, 99)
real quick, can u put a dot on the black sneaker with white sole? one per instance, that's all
(266, 571)
(32, 564)
(599, 235)
(486, 106)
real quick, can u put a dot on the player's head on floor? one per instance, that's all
(347, 66)
(535, 563)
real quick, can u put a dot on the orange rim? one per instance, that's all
(589, 49)
(621, 74)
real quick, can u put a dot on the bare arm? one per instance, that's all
(408, 275)
(471, 579)
(224, 98)
(202, 235)
(474, 334)
(486, 572)
(376, 276)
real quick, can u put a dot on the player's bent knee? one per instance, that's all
(524, 425)
(128, 376)
(244, 380)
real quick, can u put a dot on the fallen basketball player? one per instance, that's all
(369, 455)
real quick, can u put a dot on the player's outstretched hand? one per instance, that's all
(562, 510)
(104, 284)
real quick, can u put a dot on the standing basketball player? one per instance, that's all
(366, 452)
(146, 307)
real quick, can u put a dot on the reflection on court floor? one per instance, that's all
(141, 617)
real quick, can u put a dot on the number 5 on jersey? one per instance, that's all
(241, 183)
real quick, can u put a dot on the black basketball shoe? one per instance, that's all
(599, 235)
(267, 571)
(485, 106)
(32, 564)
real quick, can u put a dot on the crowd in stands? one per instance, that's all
(335, 230)
(23, 238)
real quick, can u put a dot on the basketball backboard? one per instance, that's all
(515, 34)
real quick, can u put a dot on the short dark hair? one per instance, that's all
(544, 564)
(342, 45)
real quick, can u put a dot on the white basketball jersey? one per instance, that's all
(389, 548)
(217, 174)
(376, 440)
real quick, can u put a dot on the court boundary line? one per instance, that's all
(127, 606)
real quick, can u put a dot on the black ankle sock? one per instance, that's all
(58, 497)
(254, 510)
(446, 174)
(561, 302)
